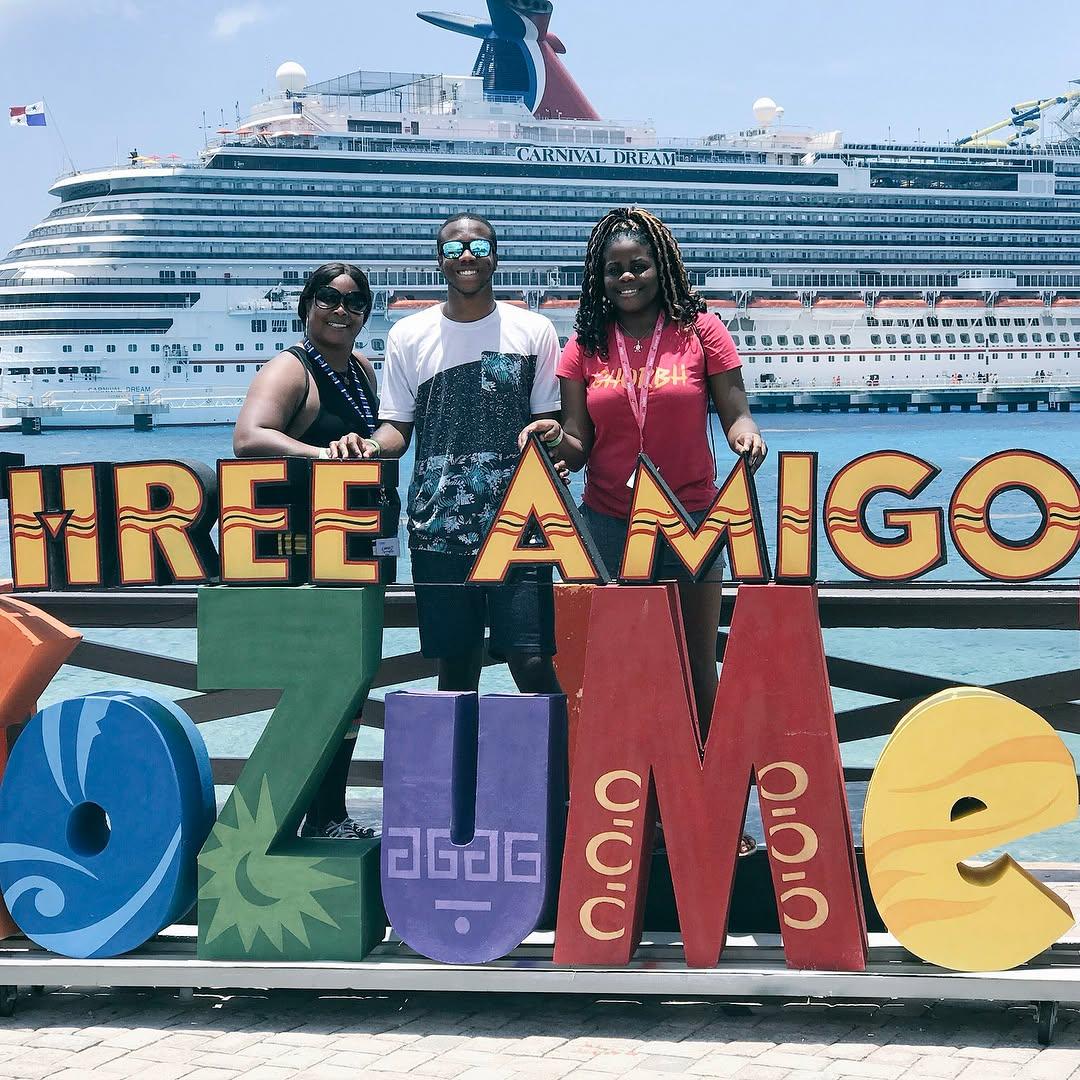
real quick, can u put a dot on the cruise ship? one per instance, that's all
(158, 288)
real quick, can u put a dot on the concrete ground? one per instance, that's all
(72, 1034)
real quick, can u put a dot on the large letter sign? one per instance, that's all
(264, 893)
(637, 747)
(34, 648)
(105, 804)
(965, 771)
(471, 819)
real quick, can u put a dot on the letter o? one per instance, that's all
(592, 854)
(600, 790)
(105, 804)
(585, 917)
(821, 909)
(798, 774)
(1054, 490)
(809, 838)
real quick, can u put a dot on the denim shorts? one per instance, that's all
(609, 535)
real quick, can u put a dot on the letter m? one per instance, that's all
(638, 750)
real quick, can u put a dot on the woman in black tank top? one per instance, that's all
(302, 401)
(318, 391)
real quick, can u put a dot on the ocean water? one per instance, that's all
(953, 442)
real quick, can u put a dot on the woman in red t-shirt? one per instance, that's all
(639, 314)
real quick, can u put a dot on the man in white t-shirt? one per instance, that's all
(467, 376)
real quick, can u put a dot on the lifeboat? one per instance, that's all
(960, 302)
(1018, 301)
(720, 303)
(829, 303)
(894, 302)
(409, 304)
(1066, 301)
(557, 303)
(763, 304)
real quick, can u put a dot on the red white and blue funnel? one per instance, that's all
(520, 57)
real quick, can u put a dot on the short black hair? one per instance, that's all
(468, 217)
(323, 276)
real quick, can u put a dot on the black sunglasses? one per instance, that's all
(326, 296)
(454, 249)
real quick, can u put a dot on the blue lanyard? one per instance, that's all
(360, 407)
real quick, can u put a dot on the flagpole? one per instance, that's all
(60, 135)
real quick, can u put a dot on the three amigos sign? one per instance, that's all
(107, 827)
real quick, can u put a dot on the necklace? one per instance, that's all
(637, 341)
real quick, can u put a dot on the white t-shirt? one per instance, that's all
(468, 389)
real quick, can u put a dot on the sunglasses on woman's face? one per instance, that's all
(454, 249)
(326, 296)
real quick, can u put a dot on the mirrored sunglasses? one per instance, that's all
(326, 296)
(454, 249)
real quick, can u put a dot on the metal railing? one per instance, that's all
(932, 606)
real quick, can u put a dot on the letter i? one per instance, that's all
(796, 518)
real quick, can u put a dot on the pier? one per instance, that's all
(1013, 396)
(140, 411)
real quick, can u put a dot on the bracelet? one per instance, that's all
(324, 453)
(550, 444)
(372, 442)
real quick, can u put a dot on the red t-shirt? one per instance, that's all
(676, 439)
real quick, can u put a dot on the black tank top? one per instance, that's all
(335, 418)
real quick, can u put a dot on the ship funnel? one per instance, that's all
(519, 58)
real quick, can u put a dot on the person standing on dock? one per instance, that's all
(637, 377)
(299, 405)
(467, 375)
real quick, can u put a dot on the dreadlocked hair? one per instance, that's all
(678, 299)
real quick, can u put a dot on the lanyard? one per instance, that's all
(639, 400)
(361, 408)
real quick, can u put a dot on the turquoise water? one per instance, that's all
(953, 442)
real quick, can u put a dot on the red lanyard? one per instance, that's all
(639, 400)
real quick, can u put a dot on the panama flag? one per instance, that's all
(28, 115)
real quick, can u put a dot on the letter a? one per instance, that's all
(536, 496)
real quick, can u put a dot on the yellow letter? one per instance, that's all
(733, 521)
(537, 494)
(1055, 492)
(333, 522)
(921, 545)
(242, 521)
(796, 518)
(164, 512)
(964, 771)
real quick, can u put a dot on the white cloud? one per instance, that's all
(232, 20)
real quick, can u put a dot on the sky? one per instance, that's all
(124, 74)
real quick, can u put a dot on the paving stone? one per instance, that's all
(660, 1063)
(440, 1067)
(1048, 1066)
(268, 1072)
(400, 1061)
(754, 1071)
(1018, 1054)
(868, 1069)
(718, 1064)
(134, 1038)
(944, 1068)
(612, 1063)
(778, 1059)
(984, 1070)
(55, 1040)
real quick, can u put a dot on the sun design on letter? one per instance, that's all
(256, 891)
